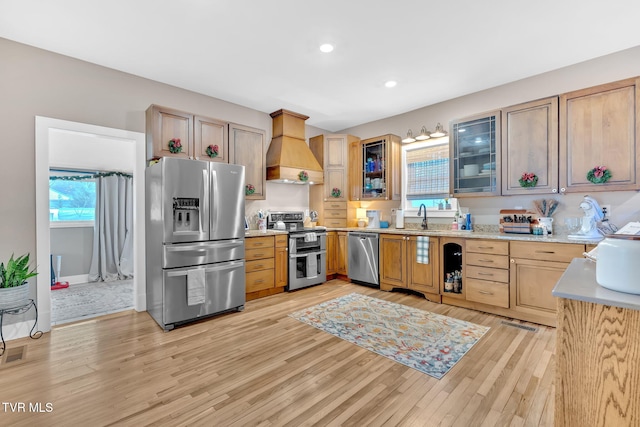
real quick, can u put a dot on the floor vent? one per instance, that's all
(517, 325)
(14, 355)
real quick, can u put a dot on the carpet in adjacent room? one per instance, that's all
(86, 300)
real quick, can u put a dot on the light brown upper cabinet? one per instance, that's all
(530, 144)
(247, 147)
(475, 156)
(377, 173)
(598, 127)
(200, 137)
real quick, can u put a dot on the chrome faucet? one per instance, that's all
(422, 210)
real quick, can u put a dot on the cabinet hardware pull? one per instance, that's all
(259, 281)
(485, 274)
(545, 252)
(259, 266)
(259, 255)
(485, 292)
(513, 261)
(258, 243)
(485, 260)
(485, 247)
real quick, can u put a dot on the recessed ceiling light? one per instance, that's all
(391, 83)
(326, 48)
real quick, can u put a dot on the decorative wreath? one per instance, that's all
(528, 179)
(174, 145)
(336, 192)
(303, 176)
(599, 175)
(249, 189)
(212, 151)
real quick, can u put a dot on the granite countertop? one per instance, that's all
(578, 282)
(482, 233)
(258, 233)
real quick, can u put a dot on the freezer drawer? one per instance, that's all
(188, 254)
(224, 290)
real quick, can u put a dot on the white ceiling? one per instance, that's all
(264, 54)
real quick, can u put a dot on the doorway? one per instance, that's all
(65, 144)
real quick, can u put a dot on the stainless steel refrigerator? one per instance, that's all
(194, 240)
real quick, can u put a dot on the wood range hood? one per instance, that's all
(289, 159)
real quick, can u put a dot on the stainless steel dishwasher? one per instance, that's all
(363, 258)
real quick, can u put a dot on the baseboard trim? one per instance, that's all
(80, 278)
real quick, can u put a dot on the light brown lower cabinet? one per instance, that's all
(399, 267)
(263, 266)
(337, 257)
(535, 269)
(281, 260)
(342, 253)
(331, 243)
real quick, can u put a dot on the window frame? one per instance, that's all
(69, 224)
(410, 211)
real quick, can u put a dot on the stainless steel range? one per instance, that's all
(307, 249)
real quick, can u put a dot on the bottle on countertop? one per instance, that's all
(454, 224)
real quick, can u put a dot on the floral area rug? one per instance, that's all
(429, 342)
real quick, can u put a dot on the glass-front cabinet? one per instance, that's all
(378, 169)
(475, 169)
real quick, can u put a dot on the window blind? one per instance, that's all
(428, 172)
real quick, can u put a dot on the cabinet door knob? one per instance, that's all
(562, 190)
(513, 261)
(555, 190)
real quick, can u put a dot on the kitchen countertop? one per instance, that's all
(480, 234)
(258, 233)
(578, 282)
(485, 233)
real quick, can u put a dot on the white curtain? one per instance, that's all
(113, 230)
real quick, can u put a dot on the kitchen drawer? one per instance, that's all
(335, 223)
(487, 260)
(259, 280)
(496, 247)
(487, 273)
(335, 205)
(560, 252)
(259, 264)
(282, 240)
(258, 242)
(260, 253)
(335, 213)
(488, 292)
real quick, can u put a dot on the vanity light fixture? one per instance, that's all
(424, 134)
(438, 132)
(409, 138)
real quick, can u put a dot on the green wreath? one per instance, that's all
(599, 175)
(212, 151)
(528, 179)
(249, 189)
(336, 192)
(303, 176)
(175, 146)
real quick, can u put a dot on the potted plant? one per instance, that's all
(14, 288)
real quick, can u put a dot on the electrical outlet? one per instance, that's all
(606, 211)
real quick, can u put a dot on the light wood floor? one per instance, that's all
(261, 367)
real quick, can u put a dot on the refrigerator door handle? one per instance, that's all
(225, 266)
(205, 198)
(200, 248)
(215, 202)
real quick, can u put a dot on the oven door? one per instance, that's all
(307, 269)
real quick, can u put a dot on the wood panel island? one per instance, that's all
(597, 351)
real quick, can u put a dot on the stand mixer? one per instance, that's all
(592, 215)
